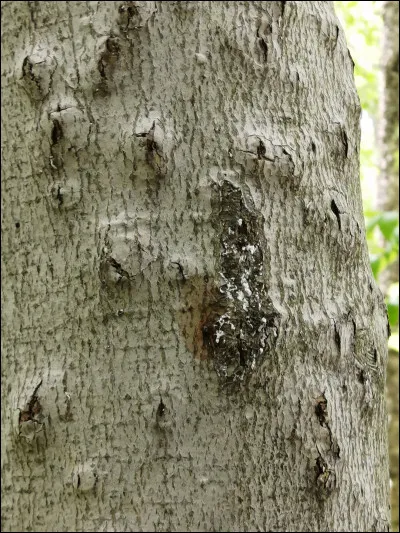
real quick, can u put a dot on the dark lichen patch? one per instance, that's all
(230, 320)
(237, 339)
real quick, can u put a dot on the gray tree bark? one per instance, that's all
(192, 336)
(388, 200)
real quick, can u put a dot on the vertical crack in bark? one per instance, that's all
(336, 212)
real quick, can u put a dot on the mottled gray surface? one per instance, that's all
(135, 137)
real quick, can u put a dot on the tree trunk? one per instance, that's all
(388, 200)
(192, 337)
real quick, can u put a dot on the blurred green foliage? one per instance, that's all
(362, 23)
(387, 224)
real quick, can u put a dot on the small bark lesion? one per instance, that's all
(325, 476)
(135, 14)
(180, 270)
(231, 321)
(321, 410)
(37, 76)
(155, 153)
(336, 212)
(33, 408)
(30, 420)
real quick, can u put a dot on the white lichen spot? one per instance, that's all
(218, 335)
(240, 222)
(223, 318)
(201, 58)
(246, 286)
(249, 412)
(224, 279)
(249, 248)
(203, 480)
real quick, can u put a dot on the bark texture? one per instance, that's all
(388, 200)
(192, 337)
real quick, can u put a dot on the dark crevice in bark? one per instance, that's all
(180, 269)
(337, 336)
(33, 407)
(345, 142)
(321, 410)
(56, 132)
(336, 212)
(264, 48)
(101, 69)
(59, 196)
(27, 68)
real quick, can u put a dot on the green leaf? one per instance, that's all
(393, 314)
(376, 266)
(388, 221)
(371, 222)
(392, 304)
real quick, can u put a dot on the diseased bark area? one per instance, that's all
(240, 335)
(151, 129)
